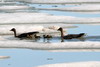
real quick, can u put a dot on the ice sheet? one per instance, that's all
(4, 57)
(60, 1)
(5, 43)
(14, 7)
(42, 28)
(82, 8)
(37, 18)
(75, 64)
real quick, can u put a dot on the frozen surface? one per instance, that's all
(14, 7)
(6, 0)
(4, 57)
(11, 18)
(75, 64)
(19, 29)
(60, 1)
(82, 8)
(42, 28)
(17, 43)
(7, 3)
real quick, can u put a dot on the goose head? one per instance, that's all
(13, 29)
(59, 29)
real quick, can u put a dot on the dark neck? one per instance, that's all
(62, 35)
(15, 33)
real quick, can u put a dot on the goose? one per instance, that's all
(24, 35)
(47, 36)
(37, 36)
(69, 36)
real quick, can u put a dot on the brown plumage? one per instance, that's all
(69, 36)
(24, 35)
(47, 36)
(37, 36)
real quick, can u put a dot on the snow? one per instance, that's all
(7, 3)
(14, 7)
(46, 46)
(56, 26)
(4, 57)
(11, 18)
(75, 64)
(50, 28)
(82, 8)
(20, 29)
(23, 29)
(60, 1)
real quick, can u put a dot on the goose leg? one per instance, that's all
(62, 39)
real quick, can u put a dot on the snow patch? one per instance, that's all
(37, 18)
(83, 8)
(4, 57)
(49, 46)
(14, 7)
(45, 28)
(60, 1)
(75, 64)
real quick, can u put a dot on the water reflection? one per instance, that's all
(58, 39)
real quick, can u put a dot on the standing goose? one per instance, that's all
(69, 36)
(24, 35)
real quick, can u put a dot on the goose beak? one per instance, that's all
(11, 30)
(58, 29)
